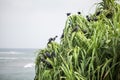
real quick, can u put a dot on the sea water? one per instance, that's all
(17, 64)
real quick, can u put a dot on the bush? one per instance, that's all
(89, 48)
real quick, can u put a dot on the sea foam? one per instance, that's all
(29, 65)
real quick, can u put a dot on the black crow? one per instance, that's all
(62, 36)
(52, 39)
(97, 13)
(109, 15)
(42, 60)
(55, 38)
(79, 12)
(88, 18)
(48, 65)
(95, 19)
(48, 55)
(75, 29)
(68, 14)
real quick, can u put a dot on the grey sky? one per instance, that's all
(30, 23)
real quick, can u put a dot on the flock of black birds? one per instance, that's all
(52, 39)
(91, 19)
(68, 14)
(76, 28)
(52, 55)
(47, 64)
(45, 56)
(108, 15)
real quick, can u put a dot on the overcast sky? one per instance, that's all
(30, 23)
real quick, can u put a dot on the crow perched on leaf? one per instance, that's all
(48, 55)
(68, 14)
(75, 29)
(42, 60)
(55, 38)
(98, 13)
(95, 19)
(52, 39)
(79, 12)
(109, 15)
(62, 36)
(88, 18)
(46, 63)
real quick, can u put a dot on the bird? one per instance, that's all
(49, 41)
(48, 55)
(75, 29)
(88, 18)
(79, 12)
(42, 60)
(95, 19)
(62, 36)
(52, 39)
(55, 38)
(109, 15)
(97, 13)
(48, 65)
(68, 14)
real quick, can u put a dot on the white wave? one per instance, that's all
(29, 65)
(12, 58)
(11, 52)
(24, 58)
(15, 52)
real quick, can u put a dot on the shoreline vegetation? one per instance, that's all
(89, 48)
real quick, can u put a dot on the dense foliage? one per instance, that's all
(89, 48)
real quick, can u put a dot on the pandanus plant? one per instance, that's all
(88, 50)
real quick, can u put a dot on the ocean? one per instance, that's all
(17, 64)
